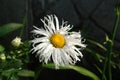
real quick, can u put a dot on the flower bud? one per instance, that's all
(2, 57)
(16, 42)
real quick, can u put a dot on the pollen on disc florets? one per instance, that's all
(57, 40)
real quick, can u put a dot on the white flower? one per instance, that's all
(16, 42)
(56, 43)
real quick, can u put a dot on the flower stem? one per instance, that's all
(110, 43)
(116, 23)
(38, 73)
(22, 29)
(109, 60)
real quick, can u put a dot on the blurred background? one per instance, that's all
(94, 18)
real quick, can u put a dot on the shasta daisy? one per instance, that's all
(56, 43)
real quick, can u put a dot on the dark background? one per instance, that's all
(94, 18)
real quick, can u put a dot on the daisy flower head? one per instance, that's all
(56, 43)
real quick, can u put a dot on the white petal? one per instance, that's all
(39, 40)
(41, 32)
(57, 23)
(74, 55)
(51, 23)
(54, 57)
(47, 27)
(47, 52)
(77, 50)
(66, 58)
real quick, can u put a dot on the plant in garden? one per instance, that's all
(16, 56)
(107, 48)
(13, 58)
(55, 42)
(55, 45)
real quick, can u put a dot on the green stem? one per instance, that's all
(112, 43)
(104, 69)
(107, 64)
(22, 29)
(109, 60)
(116, 24)
(38, 72)
(9, 78)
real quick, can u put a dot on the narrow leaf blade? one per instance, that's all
(7, 28)
(26, 73)
(79, 69)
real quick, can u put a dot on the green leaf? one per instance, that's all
(26, 73)
(101, 72)
(93, 53)
(1, 48)
(7, 28)
(97, 44)
(79, 69)
(11, 63)
(8, 72)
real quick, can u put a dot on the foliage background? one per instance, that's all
(95, 18)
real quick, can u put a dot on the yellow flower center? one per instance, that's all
(57, 40)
